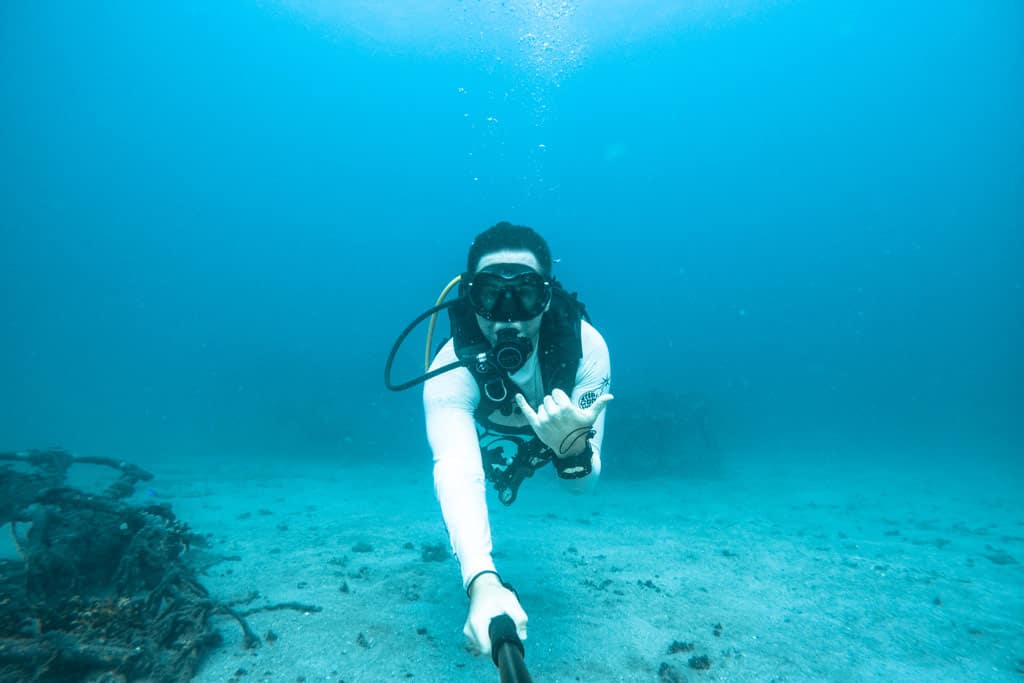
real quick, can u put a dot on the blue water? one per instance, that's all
(215, 217)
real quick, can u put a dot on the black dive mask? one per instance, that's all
(508, 292)
(510, 351)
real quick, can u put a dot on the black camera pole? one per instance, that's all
(507, 650)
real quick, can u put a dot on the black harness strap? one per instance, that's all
(559, 351)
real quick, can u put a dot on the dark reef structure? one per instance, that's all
(664, 433)
(102, 591)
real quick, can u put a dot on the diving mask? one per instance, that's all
(509, 292)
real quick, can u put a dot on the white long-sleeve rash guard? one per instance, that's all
(457, 441)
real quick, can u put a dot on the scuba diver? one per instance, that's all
(522, 382)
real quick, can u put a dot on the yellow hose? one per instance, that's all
(433, 321)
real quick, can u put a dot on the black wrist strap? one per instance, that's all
(469, 586)
(506, 585)
(576, 467)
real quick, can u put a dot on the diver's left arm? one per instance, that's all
(573, 426)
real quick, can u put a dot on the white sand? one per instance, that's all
(812, 575)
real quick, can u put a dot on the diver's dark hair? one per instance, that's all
(505, 236)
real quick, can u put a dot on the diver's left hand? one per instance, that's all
(560, 424)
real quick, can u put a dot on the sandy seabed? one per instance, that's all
(777, 575)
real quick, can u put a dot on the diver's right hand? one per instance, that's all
(488, 599)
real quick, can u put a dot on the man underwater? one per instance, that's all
(527, 384)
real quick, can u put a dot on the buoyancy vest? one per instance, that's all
(559, 351)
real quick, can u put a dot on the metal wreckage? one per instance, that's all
(104, 589)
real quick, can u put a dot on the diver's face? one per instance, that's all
(527, 328)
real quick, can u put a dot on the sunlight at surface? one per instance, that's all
(525, 50)
(549, 38)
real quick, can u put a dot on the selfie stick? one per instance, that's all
(507, 650)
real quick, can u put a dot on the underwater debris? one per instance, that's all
(668, 673)
(649, 585)
(435, 553)
(998, 556)
(103, 590)
(595, 586)
(700, 662)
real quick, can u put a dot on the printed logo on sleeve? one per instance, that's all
(587, 399)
